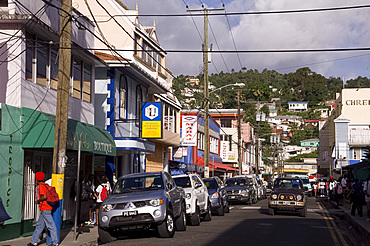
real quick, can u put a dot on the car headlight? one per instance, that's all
(106, 207)
(274, 196)
(188, 195)
(155, 202)
(214, 195)
(299, 197)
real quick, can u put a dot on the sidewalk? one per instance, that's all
(66, 237)
(358, 223)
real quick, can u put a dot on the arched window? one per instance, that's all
(122, 97)
(139, 100)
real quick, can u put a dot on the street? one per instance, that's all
(251, 225)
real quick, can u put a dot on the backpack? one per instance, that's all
(340, 190)
(104, 193)
(52, 196)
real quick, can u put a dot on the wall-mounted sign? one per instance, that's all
(152, 120)
(224, 150)
(181, 151)
(189, 130)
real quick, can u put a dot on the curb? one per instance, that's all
(364, 234)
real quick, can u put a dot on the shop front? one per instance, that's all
(31, 143)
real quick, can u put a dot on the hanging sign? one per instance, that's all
(152, 120)
(189, 130)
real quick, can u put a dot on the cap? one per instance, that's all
(40, 176)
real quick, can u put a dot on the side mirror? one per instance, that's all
(197, 185)
(169, 186)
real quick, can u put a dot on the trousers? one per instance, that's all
(45, 219)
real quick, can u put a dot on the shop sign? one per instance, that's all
(152, 120)
(224, 150)
(189, 130)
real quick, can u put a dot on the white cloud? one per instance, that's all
(328, 29)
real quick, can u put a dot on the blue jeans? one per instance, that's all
(45, 219)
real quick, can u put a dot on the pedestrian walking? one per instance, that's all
(367, 196)
(356, 198)
(331, 188)
(101, 192)
(46, 218)
(315, 189)
(91, 183)
(85, 201)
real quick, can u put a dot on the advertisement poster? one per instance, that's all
(189, 130)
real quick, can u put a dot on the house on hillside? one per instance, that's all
(297, 106)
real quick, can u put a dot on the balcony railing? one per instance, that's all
(360, 137)
(127, 128)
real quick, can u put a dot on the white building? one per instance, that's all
(345, 135)
(297, 106)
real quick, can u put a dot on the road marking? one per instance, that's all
(252, 208)
(331, 224)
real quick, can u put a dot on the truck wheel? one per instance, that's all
(303, 212)
(272, 211)
(180, 222)
(250, 201)
(227, 208)
(195, 218)
(208, 214)
(220, 210)
(167, 227)
(105, 236)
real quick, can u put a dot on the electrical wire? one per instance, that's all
(232, 36)
(218, 47)
(250, 13)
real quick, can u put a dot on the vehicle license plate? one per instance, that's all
(286, 203)
(129, 213)
(232, 197)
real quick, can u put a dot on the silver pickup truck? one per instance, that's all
(143, 201)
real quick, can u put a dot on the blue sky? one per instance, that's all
(330, 29)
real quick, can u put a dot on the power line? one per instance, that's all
(248, 13)
(249, 51)
(218, 47)
(232, 36)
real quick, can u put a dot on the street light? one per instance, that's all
(206, 126)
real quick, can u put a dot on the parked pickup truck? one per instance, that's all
(142, 201)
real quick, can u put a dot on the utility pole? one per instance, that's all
(61, 115)
(239, 138)
(206, 92)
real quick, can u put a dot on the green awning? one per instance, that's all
(39, 131)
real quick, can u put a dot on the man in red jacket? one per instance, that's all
(46, 217)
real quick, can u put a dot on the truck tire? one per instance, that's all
(195, 218)
(272, 211)
(105, 236)
(208, 214)
(303, 212)
(227, 208)
(167, 227)
(180, 222)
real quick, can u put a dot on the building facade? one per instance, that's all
(28, 98)
(345, 135)
(136, 75)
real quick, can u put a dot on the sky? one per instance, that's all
(312, 30)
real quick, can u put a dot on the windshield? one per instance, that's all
(287, 184)
(138, 184)
(236, 181)
(211, 184)
(306, 181)
(183, 182)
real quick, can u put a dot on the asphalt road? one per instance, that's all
(251, 225)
